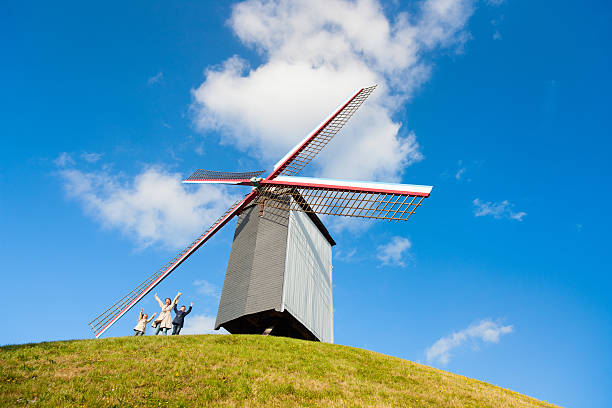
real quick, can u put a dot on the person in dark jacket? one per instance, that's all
(179, 319)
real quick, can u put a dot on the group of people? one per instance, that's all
(164, 321)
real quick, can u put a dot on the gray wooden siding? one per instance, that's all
(307, 289)
(254, 277)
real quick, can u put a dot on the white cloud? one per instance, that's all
(499, 210)
(460, 172)
(315, 53)
(155, 78)
(349, 256)
(200, 324)
(394, 252)
(203, 287)
(91, 157)
(152, 208)
(486, 331)
(63, 160)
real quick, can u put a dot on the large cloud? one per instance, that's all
(153, 207)
(315, 53)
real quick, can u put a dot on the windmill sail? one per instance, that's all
(105, 320)
(221, 177)
(311, 145)
(386, 201)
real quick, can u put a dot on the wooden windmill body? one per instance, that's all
(279, 276)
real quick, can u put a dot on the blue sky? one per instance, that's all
(502, 106)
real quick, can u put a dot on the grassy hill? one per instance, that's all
(251, 371)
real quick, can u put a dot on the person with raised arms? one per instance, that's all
(179, 319)
(164, 320)
(143, 319)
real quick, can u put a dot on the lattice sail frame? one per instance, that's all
(329, 201)
(102, 322)
(222, 176)
(305, 151)
(362, 199)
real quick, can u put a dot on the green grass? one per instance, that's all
(244, 371)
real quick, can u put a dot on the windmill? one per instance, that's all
(279, 274)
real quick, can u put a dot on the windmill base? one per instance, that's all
(283, 325)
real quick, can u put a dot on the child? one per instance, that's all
(140, 328)
(177, 323)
